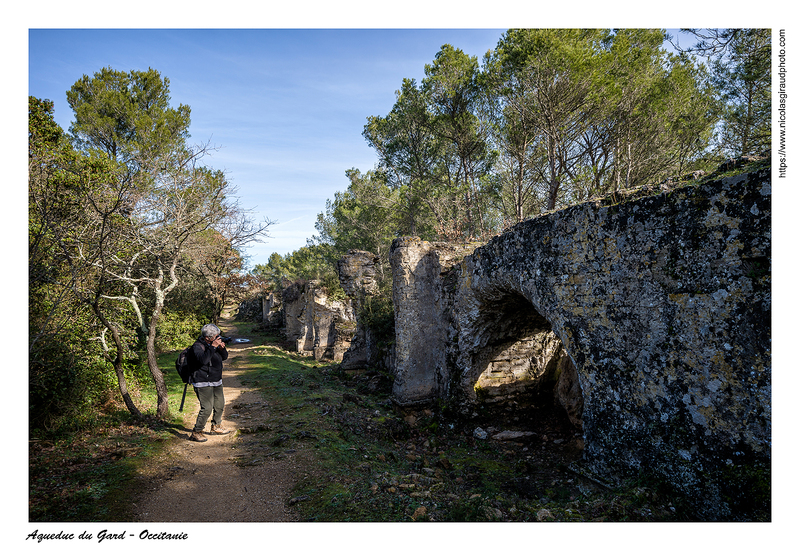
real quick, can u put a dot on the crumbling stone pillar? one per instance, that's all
(421, 309)
(357, 276)
(271, 311)
(296, 317)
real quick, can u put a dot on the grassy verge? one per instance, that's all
(86, 476)
(372, 464)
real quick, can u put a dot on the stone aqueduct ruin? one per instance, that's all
(647, 319)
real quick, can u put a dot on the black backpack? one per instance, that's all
(185, 364)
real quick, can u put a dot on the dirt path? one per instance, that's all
(224, 479)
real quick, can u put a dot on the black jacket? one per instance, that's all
(210, 361)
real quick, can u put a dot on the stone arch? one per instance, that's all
(514, 361)
(662, 300)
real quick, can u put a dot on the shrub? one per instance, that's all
(377, 315)
(68, 382)
(177, 330)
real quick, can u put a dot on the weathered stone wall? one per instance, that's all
(271, 310)
(519, 366)
(316, 324)
(662, 304)
(357, 276)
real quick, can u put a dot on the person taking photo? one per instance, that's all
(209, 352)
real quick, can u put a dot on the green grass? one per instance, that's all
(346, 433)
(87, 475)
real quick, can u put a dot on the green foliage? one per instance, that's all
(191, 299)
(177, 330)
(364, 217)
(273, 271)
(127, 116)
(88, 472)
(408, 152)
(740, 63)
(162, 217)
(669, 107)
(451, 86)
(69, 381)
(744, 79)
(120, 216)
(377, 315)
(313, 262)
(66, 368)
(551, 117)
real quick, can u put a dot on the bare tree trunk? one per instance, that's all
(162, 397)
(123, 384)
(747, 122)
(478, 207)
(630, 166)
(553, 184)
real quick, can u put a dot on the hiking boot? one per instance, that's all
(197, 437)
(217, 429)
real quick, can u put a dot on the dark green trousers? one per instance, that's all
(212, 402)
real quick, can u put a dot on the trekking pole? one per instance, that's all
(184, 396)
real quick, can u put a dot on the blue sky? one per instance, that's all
(285, 107)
